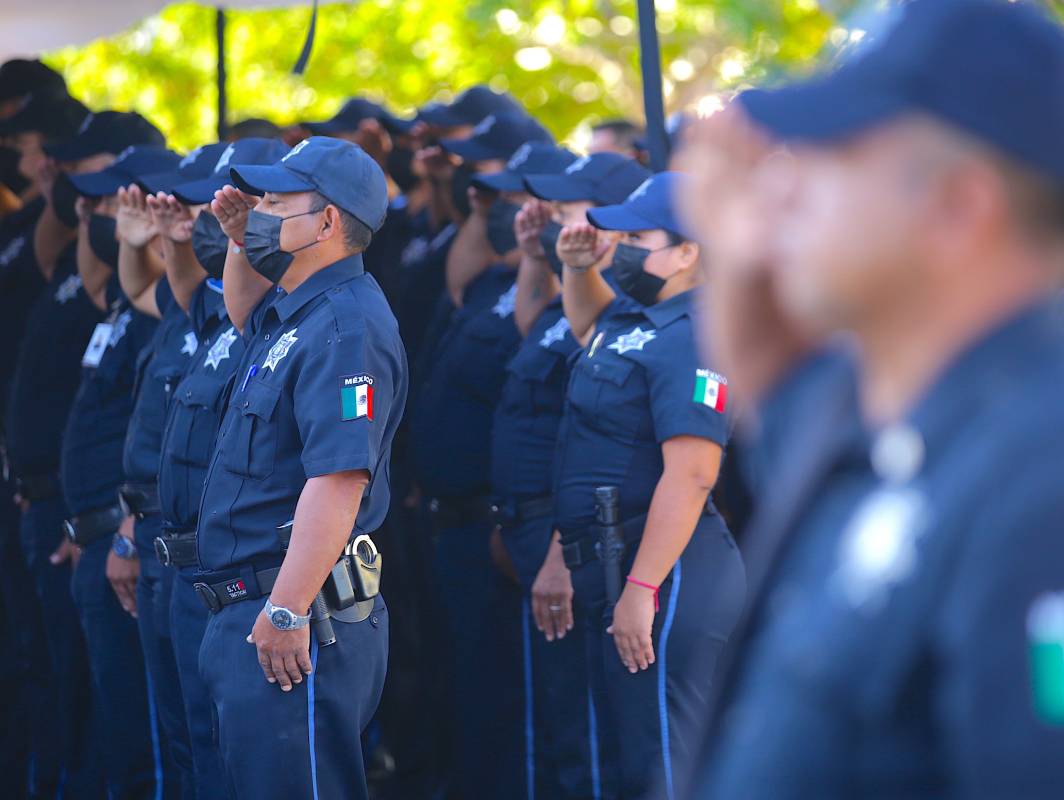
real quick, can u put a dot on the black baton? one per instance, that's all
(610, 545)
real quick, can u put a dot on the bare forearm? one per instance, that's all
(674, 513)
(50, 237)
(183, 271)
(138, 274)
(324, 518)
(243, 288)
(467, 257)
(585, 295)
(536, 288)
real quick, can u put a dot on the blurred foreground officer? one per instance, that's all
(644, 417)
(904, 637)
(303, 450)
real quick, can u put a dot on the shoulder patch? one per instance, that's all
(356, 397)
(711, 389)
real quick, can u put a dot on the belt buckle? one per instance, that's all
(208, 597)
(162, 552)
(70, 531)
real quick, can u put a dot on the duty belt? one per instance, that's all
(87, 528)
(37, 487)
(456, 511)
(512, 514)
(139, 499)
(177, 550)
(248, 585)
(585, 549)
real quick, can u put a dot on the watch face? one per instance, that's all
(280, 618)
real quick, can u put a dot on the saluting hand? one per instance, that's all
(580, 246)
(283, 655)
(172, 218)
(231, 207)
(133, 223)
(529, 224)
(633, 620)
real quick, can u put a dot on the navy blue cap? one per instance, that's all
(649, 207)
(106, 132)
(351, 115)
(197, 164)
(126, 169)
(602, 178)
(340, 171)
(531, 157)
(53, 116)
(989, 68)
(21, 76)
(497, 136)
(469, 108)
(244, 152)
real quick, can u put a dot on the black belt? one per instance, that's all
(512, 514)
(585, 549)
(35, 488)
(456, 511)
(84, 529)
(177, 550)
(248, 585)
(139, 499)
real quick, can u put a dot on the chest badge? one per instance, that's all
(11, 252)
(280, 350)
(68, 289)
(219, 351)
(191, 344)
(505, 306)
(555, 333)
(119, 329)
(632, 341)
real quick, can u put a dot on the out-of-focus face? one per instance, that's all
(31, 154)
(570, 213)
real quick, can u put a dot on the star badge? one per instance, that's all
(280, 350)
(505, 306)
(632, 341)
(219, 351)
(555, 333)
(191, 344)
(120, 328)
(68, 289)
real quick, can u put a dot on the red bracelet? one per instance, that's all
(650, 586)
(238, 244)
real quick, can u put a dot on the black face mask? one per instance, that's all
(501, 234)
(548, 237)
(629, 268)
(400, 163)
(262, 244)
(460, 183)
(102, 239)
(64, 199)
(210, 244)
(9, 174)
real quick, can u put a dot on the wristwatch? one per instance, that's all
(123, 547)
(283, 619)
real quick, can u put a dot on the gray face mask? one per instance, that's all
(262, 244)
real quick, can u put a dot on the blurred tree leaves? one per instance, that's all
(571, 62)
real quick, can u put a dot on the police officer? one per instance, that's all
(194, 415)
(905, 553)
(644, 416)
(302, 455)
(104, 584)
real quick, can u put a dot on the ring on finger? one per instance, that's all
(554, 608)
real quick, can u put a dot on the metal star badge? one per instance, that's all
(119, 329)
(505, 306)
(632, 341)
(555, 333)
(68, 289)
(280, 350)
(191, 344)
(219, 351)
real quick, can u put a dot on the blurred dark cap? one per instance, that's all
(53, 116)
(531, 157)
(469, 108)
(196, 165)
(352, 114)
(498, 136)
(20, 77)
(601, 178)
(106, 132)
(133, 163)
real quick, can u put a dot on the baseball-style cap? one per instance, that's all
(54, 116)
(351, 115)
(126, 169)
(538, 157)
(602, 178)
(106, 132)
(991, 69)
(244, 152)
(21, 76)
(497, 136)
(197, 164)
(340, 171)
(469, 108)
(649, 207)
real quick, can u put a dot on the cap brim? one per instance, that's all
(620, 218)
(561, 188)
(469, 150)
(99, 184)
(193, 193)
(270, 178)
(499, 182)
(397, 125)
(74, 149)
(159, 181)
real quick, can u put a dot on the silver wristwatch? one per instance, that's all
(284, 619)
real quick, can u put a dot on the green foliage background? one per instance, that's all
(571, 62)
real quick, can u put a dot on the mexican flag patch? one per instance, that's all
(711, 390)
(356, 397)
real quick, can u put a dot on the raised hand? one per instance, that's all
(529, 224)
(231, 207)
(133, 223)
(172, 218)
(581, 247)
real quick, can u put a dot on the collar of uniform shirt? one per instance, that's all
(318, 283)
(672, 309)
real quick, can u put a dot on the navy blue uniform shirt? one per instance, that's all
(451, 424)
(196, 409)
(160, 366)
(91, 469)
(321, 390)
(638, 384)
(47, 372)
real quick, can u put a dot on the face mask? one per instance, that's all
(210, 244)
(501, 234)
(64, 199)
(400, 166)
(9, 174)
(460, 183)
(548, 237)
(629, 268)
(262, 244)
(102, 239)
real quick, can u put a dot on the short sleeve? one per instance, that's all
(164, 295)
(686, 399)
(344, 398)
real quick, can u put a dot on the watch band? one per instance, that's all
(284, 619)
(123, 547)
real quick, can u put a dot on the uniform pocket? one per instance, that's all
(196, 418)
(607, 396)
(252, 448)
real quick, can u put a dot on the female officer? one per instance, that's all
(644, 416)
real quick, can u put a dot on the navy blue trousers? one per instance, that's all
(130, 743)
(558, 747)
(188, 621)
(480, 606)
(153, 622)
(648, 724)
(299, 745)
(72, 761)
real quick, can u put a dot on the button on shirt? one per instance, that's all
(160, 366)
(47, 372)
(196, 409)
(638, 384)
(91, 469)
(321, 390)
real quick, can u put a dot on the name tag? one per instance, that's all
(97, 344)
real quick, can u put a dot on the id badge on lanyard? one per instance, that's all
(97, 344)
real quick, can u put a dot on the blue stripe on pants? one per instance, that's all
(530, 736)
(663, 709)
(310, 714)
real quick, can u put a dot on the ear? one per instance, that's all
(689, 253)
(330, 224)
